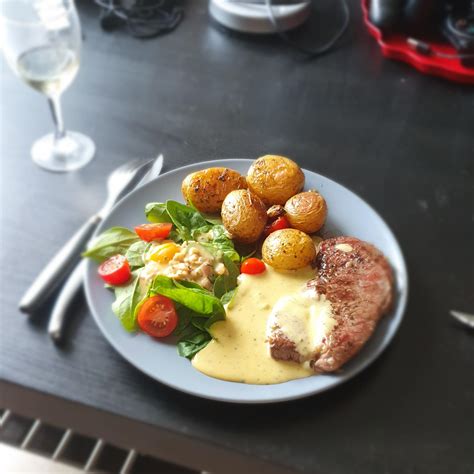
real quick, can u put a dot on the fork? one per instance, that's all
(120, 182)
(75, 280)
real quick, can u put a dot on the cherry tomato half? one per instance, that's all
(149, 232)
(278, 224)
(115, 270)
(252, 266)
(157, 316)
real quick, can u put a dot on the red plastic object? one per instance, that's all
(395, 46)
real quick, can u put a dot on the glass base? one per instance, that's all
(69, 153)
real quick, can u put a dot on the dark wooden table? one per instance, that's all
(403, 141)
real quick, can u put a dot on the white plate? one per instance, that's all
(348, 215)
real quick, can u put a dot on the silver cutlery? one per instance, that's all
(75, 279)
(119, 183)
(464, 318)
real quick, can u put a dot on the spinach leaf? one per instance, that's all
(200, 323)
(185, 316)
(135, 253)
(193, 298)
(197, 308)
(111, 242)
(227, 298)
(191, 284)
(225, 283)
(156, 212)
(192, 343)
(220, 236)
(215, 239)
(190, 325)
(214, 220)
(185, 218)
(217, 316)
(127, 300)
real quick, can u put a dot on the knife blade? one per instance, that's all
(465, 318)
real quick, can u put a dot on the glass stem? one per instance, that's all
(55, 106)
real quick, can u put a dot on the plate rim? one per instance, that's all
(401, 301)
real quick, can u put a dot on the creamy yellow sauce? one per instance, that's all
(239, 351)
(305, 319)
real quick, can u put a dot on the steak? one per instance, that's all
(357, 281)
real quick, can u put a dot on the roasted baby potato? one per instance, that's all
(288, 249)
(207, 189)
(276, 211)
(306, 211)
(244, 215)
(275, 179)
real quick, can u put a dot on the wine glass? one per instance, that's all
(41, 41)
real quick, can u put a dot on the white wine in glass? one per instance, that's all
(41, 41)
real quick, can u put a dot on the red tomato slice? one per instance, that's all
(115, 270)
(149, 232)
(278, 224)
(252, 266)
(157, 316)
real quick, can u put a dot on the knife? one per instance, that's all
(74, 282)
(465, 318)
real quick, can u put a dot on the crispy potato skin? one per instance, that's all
(306, 211)
(207, 189)
(275, 179)
(288, 249)
(244, 215)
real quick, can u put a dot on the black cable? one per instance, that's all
(311, 53)
(143, 18)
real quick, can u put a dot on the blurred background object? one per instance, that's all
(434, 36)
(275, 17)
(252, 16)
(142, 18)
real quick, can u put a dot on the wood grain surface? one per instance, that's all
(403, 141)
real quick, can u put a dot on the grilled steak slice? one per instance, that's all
(358, 282)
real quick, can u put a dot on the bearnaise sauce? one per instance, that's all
(239, 351)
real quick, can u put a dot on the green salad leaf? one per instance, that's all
(111, 242)
(225, 283)
(192, 342)
(156, 212)
(193, 297)
(215, 239)
(212, 219)
(135, 253)
(227, 298)
(128, 298)
(185, 316)
(185, 218)
(192, 225)
(197, 308)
